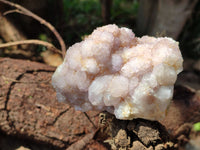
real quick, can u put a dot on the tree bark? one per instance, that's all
(105, 10)
(29, 109)
(28, 106)
(160, 17)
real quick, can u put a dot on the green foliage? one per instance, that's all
(80, 9)
(43, 37)
(83, 16)
(196, 126)
(124, 12)
(41, 48)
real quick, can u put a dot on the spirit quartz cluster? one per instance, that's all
(113, 70)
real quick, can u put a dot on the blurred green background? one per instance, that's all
(75, 19)
(81, 17)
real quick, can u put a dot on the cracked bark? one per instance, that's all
(29, 109)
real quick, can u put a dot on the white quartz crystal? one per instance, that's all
(115, 71)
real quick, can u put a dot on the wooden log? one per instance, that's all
(29, 109)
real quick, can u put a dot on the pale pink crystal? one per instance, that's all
(115, 71)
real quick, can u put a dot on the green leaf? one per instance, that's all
(196, 126)
(43, 37)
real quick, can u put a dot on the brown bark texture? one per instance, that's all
(29, 109)
(106, 10)
(160, 17)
